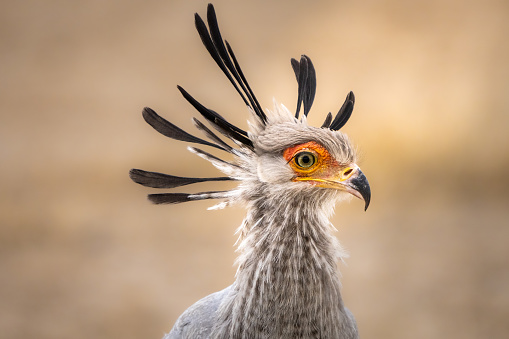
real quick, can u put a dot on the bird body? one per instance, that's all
(287, 282)
(290, 176)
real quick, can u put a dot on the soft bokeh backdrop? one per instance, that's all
(84, 255)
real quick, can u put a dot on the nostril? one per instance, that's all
(347, 172)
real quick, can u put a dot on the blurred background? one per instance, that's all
(84, 255)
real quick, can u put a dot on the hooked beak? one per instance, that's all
(350, 179)
(358, 186)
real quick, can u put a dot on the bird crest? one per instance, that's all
(246, 142)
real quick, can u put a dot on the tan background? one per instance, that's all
(84, 255)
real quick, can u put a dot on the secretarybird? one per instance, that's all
(290, 176)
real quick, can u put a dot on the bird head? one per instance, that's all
(280, 157)
(293, 157)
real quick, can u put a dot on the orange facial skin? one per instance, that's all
(324, 169)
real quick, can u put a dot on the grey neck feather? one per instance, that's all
(287, 282)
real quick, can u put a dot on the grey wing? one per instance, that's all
(199, 319)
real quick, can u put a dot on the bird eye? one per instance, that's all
(305, 159)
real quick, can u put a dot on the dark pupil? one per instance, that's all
(305, 160)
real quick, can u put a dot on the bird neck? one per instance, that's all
(287, 282)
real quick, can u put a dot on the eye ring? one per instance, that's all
(305, 159)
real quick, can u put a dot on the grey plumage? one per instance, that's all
(290, 177)
(198, 320)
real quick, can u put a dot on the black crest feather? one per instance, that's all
(161, 180)
(306, 79)
(223, 56)
(212, 136)
(344, 113)
(168, 129)
(175, 198)
(328, 120)
(218, 121)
